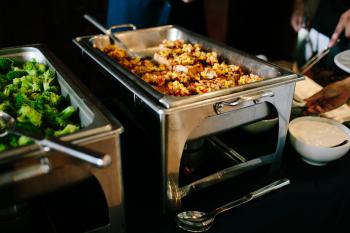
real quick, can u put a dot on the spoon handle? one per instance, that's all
(250, 196)
(107, 32)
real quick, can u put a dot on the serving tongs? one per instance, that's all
(109, 32)
(8, 125)
(313, 60)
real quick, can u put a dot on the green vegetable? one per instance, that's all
(67, 130)
(5, 64)
(3, 147)
(31, 94)
(23, 140)
(15, 74)
(29, 114)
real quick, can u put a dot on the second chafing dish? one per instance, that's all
(29, 171)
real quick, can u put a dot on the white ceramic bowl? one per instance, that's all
(313, 138)
(260, 126)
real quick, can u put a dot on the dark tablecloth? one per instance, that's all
(316, 200)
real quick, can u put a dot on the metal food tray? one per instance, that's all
(144, 42)
(93, 121)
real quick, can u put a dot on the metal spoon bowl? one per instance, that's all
(8, 124)
(197, 221)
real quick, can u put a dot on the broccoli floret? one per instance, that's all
(70, 128)
(34, 68)
(51, 98)
(48, 77)
(6, 106)
(41, 68)
(29, 127)
(3, 81)
(66, 113)
(15, 74)
(13, 140)
(30, 67)
(3, 147)
(23, 99)
(29, 114)
(5, 64)
(9, 89)
(60, 120)
(31, 84)
(23, 140)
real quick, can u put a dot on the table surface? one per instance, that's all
(316, 200)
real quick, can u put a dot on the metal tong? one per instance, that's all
(8, 125)
(313, 60)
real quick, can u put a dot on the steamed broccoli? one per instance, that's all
(5, 64)
(31, 83)
(3, 81)
(10, 89)
(3, 147)
(13, 140)
(6, 106)
(60, 119)
(22, 99)
(31, 94)
(23, 140)
(48, 77)
(51, 98)
(29, 114)
(15, 74)
(41, 68)
(34, 68)
(67, 130)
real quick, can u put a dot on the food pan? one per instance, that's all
(54, 168)
(144, 42)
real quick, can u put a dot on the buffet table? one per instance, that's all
(317, 200)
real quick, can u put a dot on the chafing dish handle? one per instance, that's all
(94, 158)
(26, 172)
(255, 97)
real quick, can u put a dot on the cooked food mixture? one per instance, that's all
(30, 93)
(183, 69)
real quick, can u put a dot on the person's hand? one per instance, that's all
(329, 98)
(297, 18)
(342, 26)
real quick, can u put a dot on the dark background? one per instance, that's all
(257, 27)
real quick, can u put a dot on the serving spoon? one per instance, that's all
(197, 221)
(109, 33)
(8, 124)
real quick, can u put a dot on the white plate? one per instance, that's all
(342, 60)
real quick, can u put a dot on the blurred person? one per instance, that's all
(331, 18)
(151, 13)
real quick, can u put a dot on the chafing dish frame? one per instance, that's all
(188, 118)
(29, 171)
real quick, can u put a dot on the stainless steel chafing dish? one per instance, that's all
(182, 119)
(29, 171)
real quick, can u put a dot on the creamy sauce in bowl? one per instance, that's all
(318, 133)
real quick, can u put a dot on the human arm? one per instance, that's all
(342, 26)
(329, 98)
(297, 18)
